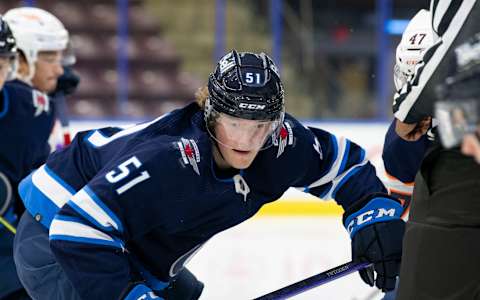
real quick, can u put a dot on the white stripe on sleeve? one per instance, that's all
(85, 202)
(77, 230)
(50, 187)
(332, 173)
(338, 179)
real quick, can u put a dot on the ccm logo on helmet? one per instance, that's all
(252, 106)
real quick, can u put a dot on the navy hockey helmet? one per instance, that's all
(246, 86)
(8, 47)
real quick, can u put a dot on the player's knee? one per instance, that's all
(184, 287)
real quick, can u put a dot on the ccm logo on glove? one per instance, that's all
(377, 210)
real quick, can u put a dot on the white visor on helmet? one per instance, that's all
(243, 134)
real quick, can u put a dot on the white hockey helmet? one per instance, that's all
(416, 39)
(36, 30)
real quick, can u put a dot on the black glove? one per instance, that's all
(68, 82)
(377, 233)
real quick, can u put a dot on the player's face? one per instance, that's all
(239, 140)
(48, 68)
(5, 67)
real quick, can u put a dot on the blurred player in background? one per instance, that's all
(28, 116)
(42, 43)
(118, 214)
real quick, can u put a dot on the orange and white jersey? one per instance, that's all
(401, 190)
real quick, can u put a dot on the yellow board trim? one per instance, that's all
(301, 208)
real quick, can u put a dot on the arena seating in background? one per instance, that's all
(156, 84)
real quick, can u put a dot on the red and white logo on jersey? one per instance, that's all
(284, 138)
(41, 102)
(190, 153)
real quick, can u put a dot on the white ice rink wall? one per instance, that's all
(293, 238)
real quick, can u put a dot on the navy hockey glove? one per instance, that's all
(377, 232)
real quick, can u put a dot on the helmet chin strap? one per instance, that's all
(215, 148)
(31, 72)
(217, 155)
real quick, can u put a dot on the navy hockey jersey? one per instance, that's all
(148, 197)
(26, 121)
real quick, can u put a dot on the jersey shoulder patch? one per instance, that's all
(285, 137)
(190, 154)
(41, 102)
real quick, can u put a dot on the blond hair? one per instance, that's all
(201, 96)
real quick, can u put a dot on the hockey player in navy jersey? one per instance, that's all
(41, 41)
(118, 214)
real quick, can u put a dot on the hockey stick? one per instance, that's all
(314, 281)
(8, 225)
